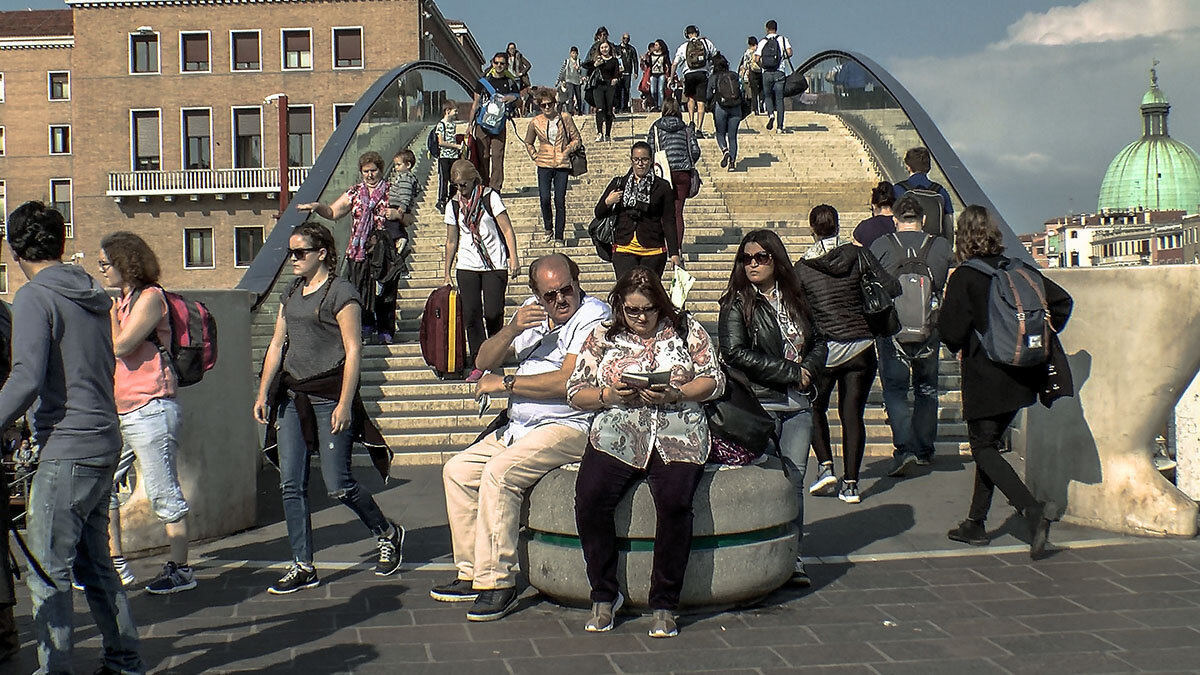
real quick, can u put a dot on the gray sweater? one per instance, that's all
(68, 372)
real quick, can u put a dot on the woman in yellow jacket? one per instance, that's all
(550, 139)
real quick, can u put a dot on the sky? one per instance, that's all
(1035, 96)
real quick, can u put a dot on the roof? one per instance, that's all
(37, 23)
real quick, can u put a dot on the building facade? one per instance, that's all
(152, 116)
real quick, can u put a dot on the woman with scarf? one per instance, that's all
(372, 264)
(644, 207)
(308, 398)
(487, 260)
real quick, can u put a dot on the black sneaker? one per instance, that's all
(459, 590)
(725, 159)
(1038, 519)
(493, 604)
(391, 552)
(969, 532)
(173, 579)
(903, 464)
(800, 575)
(297, 578)
(770, 122)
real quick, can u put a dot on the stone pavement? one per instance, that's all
(890, 595)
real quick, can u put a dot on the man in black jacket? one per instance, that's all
(629, 58)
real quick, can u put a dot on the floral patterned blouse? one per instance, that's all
(359, 195)
(679, 431)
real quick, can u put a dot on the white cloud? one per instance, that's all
(1104, 21)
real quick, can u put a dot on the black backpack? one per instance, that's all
(431, 142)
(772, 54)
(934, 205)
(729, 89)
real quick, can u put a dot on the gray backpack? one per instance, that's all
(919, 300)
(1018, 330)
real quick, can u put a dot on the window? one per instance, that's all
(4, 278)
(247, 133)
(197, 139)
(1074, 234)
(245, 47)
(146, 140)
(347, 48)
(61, 200)
(1, 141)
(60, 85)
(247, 241)
(297, 49)
(194, 53)
(198, 248)
(143, 53)
(3, 211)
(339, 111)
(60, 139)
(300, 135)
(1, 87)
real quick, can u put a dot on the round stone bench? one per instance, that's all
(743, 546)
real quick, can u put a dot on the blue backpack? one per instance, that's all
(493, 111)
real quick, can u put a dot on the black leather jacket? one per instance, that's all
(758, 352)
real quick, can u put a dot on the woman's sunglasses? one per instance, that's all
(760, 258)
(300, 253)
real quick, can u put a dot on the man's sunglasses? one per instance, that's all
(552, 296)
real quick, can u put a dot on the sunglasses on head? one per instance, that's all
(552, 296)
(300, 253)
(760, 258)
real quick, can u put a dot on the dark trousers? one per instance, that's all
(482, 298)
(991, 471)
(756, 88)
(914, 425)
(853, 380)
(602, 481)
(623, 262)
(623, 97)
(491, 157)
(682, 182)
(444, 165)
(382, 315)
(605, 98)
(578, 105)
(553, 180)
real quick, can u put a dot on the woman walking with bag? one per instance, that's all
(992, 394)
(571, 76)
(486, 262)
(768, 334)
(728, 103)
(550, 138)
(642, 204)
(310, 381)
(606, 73)
(670, 134)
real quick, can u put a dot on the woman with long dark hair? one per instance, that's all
(657, 432)
(831, 271)
(992, 393)
(604, 93)
(880, 224)
(768, 334)
(658, 61)
(308, 398)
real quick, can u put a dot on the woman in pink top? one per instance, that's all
(145, 394)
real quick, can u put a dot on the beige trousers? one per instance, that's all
(485, 485)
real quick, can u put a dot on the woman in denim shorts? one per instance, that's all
(145, 392)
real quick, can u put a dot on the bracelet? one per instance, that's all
(602, 401)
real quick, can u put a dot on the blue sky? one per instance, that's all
(1036, 96)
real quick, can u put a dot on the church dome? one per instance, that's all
(1155, 172)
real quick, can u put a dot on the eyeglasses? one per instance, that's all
(500, 63)
(636, 312)
(104, 265)
(760, 258)
(640, 160)
(552, 296)
(547, 104)
(300, 253)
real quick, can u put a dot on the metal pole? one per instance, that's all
(284, 188)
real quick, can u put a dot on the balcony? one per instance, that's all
(192, 183)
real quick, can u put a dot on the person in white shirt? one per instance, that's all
(695, 73)
(772, 51)
(486, 482)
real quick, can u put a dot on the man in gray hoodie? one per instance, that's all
(70, 374)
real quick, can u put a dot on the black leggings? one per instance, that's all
(605, 97)
(853, 379)
(991, 471)
(623, 262)
(482, 297)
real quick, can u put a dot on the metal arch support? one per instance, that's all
(956, 173)
(265, 269)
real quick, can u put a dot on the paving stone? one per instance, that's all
(466, 651)
(1147, 638)
(884, 596)
(480, 667)
(940, 667)
(974, 592)
(1148, 566)
(985, 625)
(853, 669)
(1030, 607)
(880, 631)
(943, 649)
(865, 581)
(1159, 583)
(823, 616)
(609, 643)
(932, 610)
(777, 636)
(950, 577)
(1074, 570)
(1051, 643)
(594, 664)
(1063, 664)
(1012, 573)
(830, 655)
(697, 659)
(415, 634)
(1134, 601)
(1162, 660)
(1092, 621)
(510, 628)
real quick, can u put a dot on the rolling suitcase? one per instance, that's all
(443, 340)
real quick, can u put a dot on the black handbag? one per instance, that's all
(795, 83)
(738, 417)
(602, 231)
(878, 290)
(578, 161)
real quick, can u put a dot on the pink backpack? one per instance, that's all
(193, 348)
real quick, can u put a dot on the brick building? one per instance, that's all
(149, 115)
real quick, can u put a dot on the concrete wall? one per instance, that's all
(1133, 349)
(218, 450)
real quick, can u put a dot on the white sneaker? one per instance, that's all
(599, 138)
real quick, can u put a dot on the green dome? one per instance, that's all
(1155, 172)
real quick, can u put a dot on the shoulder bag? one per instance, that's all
(878, 307)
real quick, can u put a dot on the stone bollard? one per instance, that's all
(744, 542)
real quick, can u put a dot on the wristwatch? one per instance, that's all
(509, 381)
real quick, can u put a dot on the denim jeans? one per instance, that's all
(555, 179)
(657, 89)
(151, 435)
(727, 121)
(915, 426)
(794, 430)
(773, 94)
(335, 470)
(68, 531)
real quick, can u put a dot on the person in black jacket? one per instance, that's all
(10, 642)
(767, 333)
(645, 209)
(831, 271)
(992, 393)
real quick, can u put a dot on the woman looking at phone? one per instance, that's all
(658, 432)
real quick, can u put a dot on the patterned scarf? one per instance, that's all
(471, 211)
(637, 192)
(824, 246)
(366, 199)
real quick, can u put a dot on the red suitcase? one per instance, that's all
(443, 340)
